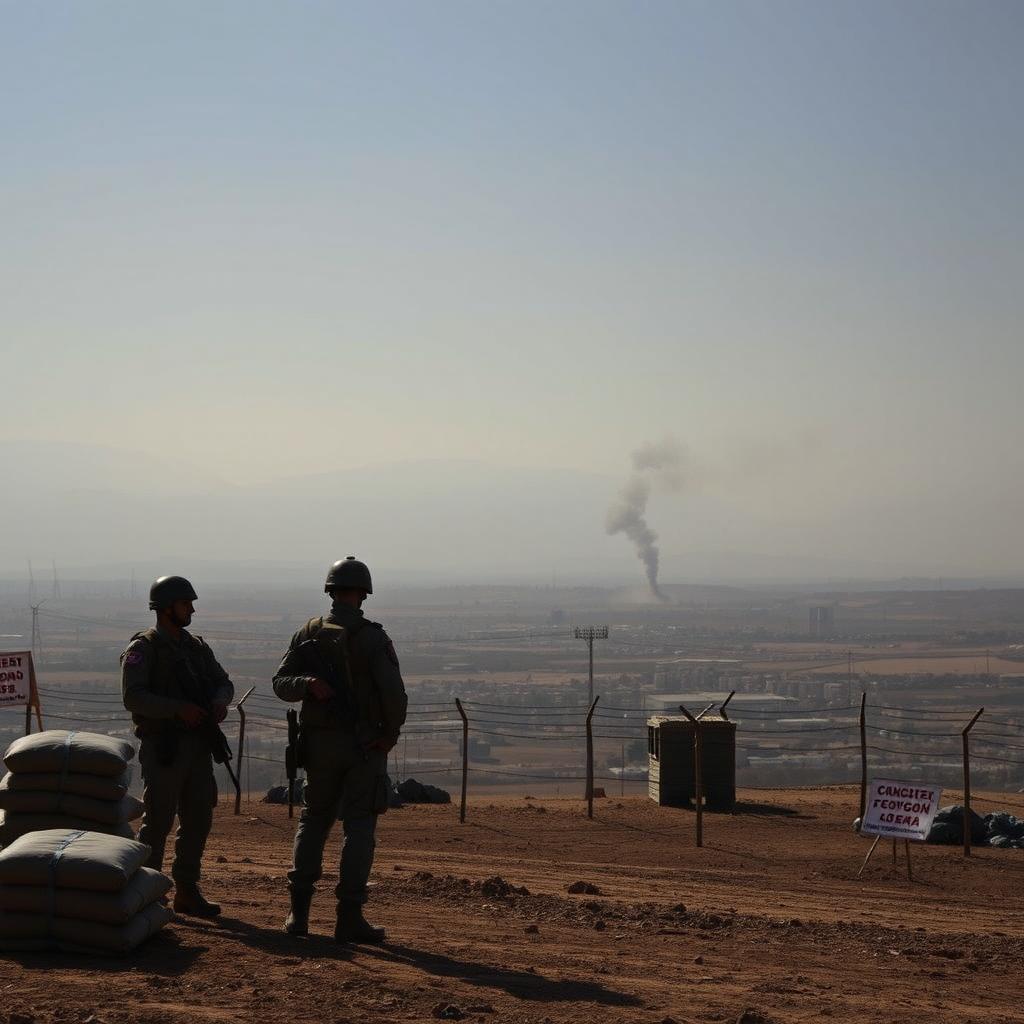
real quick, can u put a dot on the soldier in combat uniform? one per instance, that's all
(353, 707)
(175, 690)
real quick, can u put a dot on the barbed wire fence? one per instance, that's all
(887, 737)
(893, 737)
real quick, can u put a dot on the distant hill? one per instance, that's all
(101, 508)
(88, 505)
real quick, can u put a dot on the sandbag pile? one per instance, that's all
(82, 892)
(69, 780)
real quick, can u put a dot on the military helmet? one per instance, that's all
(348, 574)
(168, 589)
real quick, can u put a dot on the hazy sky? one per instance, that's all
(280, 238)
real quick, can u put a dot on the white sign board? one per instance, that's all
(15, 677)
(900, 810)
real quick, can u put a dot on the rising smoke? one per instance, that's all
(663, 463)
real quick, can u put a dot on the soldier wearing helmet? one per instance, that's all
(165, 671)
(344, 670)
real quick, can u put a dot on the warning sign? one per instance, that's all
(901, 810)
(15, 677)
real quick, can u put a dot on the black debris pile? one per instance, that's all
(999, 829)
(1004, 830)
(279, 794)
(413, 792)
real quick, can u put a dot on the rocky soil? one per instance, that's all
(530, 912)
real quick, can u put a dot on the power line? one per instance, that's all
(935, 711)
(911, 753)
(920, 735)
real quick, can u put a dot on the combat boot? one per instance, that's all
(297, 922)
(353, 927)
(189, 900)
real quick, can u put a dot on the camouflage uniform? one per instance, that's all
(343, 778)
(177, 767)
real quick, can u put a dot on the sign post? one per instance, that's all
(898, 810)
(18, 685)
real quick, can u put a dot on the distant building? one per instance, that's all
(702, 673)
(821, 620)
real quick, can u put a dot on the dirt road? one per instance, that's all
(767, 917)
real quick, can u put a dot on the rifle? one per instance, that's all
(292, 757)
(196, 691)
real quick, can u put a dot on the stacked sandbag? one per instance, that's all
(69, 780)
(79, 891)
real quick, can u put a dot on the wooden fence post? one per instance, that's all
(33, 698)
(590, 759)
(241, 745)
(967, 781)
(465, 758)
(863, 756)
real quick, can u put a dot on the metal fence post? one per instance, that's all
(465, 758)
(725, 704)
(241, 745)
(863, 756)
(698, 782)
(590, 759)
(967, 781)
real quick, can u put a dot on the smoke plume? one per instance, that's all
(664, 463)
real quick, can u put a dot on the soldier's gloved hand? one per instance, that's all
(192, 715)
(220, 712)
(319, 689)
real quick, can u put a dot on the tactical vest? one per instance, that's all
(360, 713)
(164, 678)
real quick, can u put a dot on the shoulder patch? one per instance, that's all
(389, 650)
(134, 653)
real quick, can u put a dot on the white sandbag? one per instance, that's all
(105, 812)
(72, 859)
(58, 750)
(40, 931)
(13, 825)
(99, 787)
(145, 887)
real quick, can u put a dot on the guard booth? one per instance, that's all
(670, 761)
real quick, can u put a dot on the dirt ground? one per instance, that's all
(768, 917)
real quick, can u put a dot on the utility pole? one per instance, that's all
(590, 634)
(31, 583)
(37, 637)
